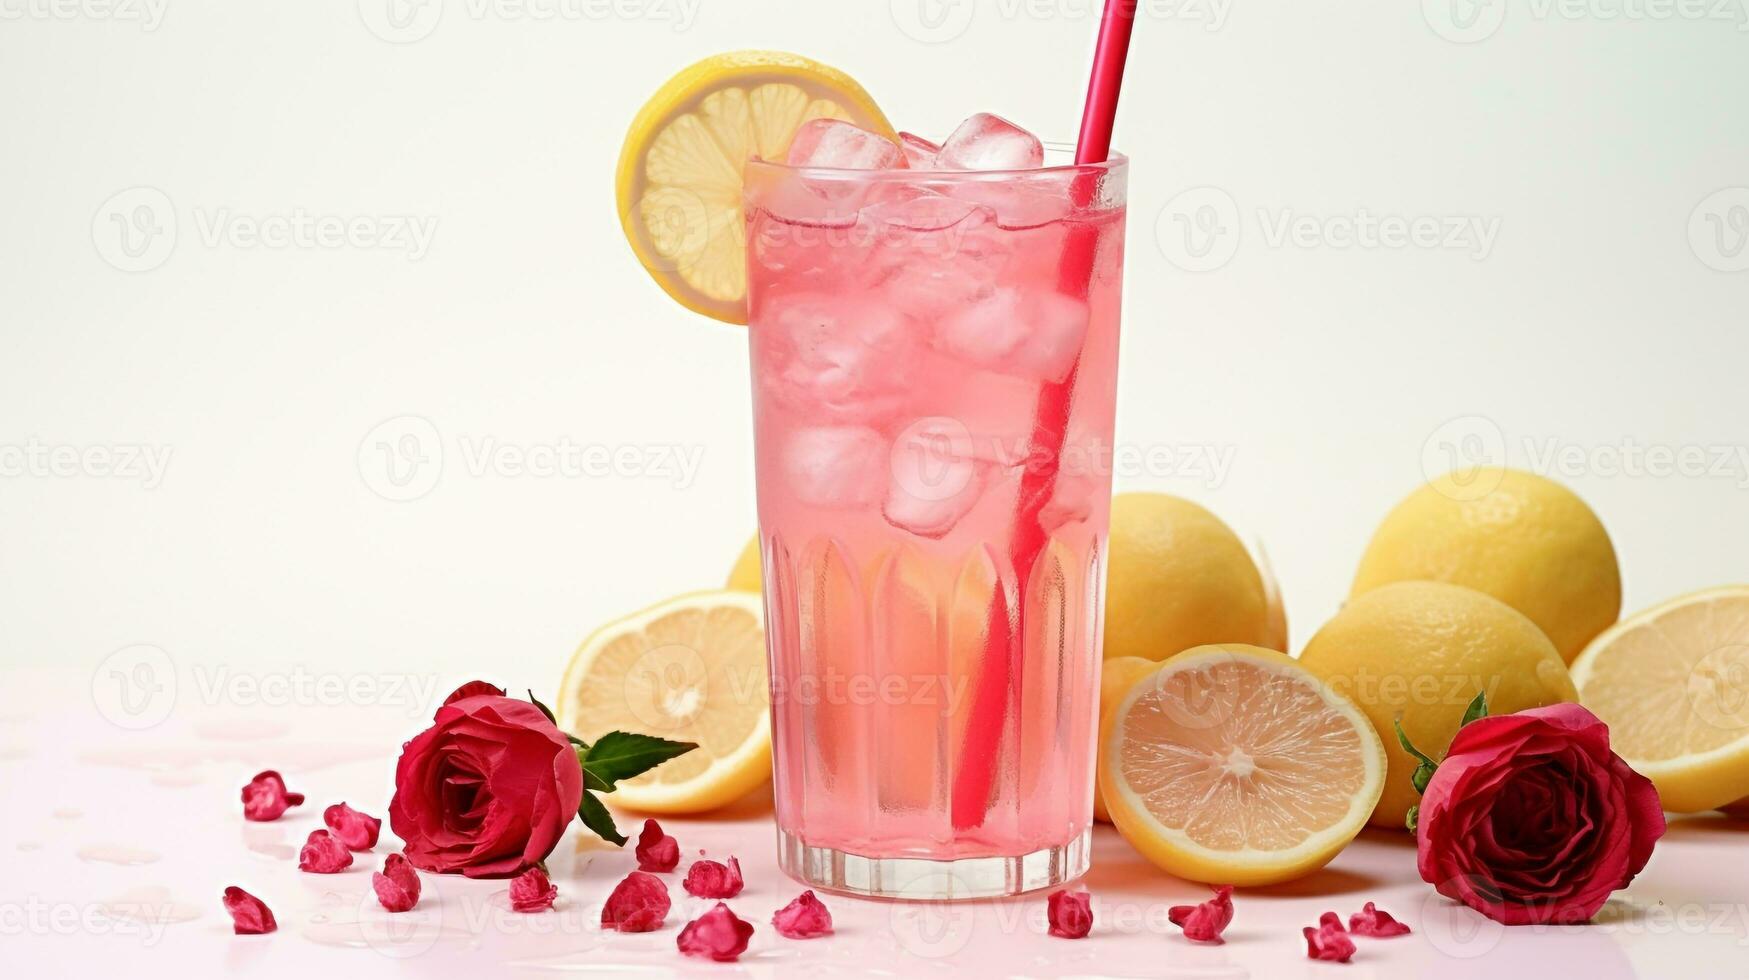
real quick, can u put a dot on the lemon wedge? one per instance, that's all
(1233, 764)
(690, 669)
(1672, 683)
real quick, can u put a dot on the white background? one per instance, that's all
(1606, 147)
(1326, 375)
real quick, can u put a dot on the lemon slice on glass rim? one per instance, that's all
(679, 178)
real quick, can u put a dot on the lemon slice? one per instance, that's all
(1232, 764)
(1672, 683)
(679, 179)
(690, 669)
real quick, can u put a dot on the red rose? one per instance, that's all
(1532, 819)
(488, 789)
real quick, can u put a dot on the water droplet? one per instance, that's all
(117, 854)
(150, 904)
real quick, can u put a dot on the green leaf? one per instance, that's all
(543, 709)
(1422, 775)
(621, 755)
(595, 816)
(1413, 818)
(1409, 747)
(1478, 709)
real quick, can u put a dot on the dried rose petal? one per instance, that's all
(324, 854)
(719, 934)
(1204, 923)
(1071, 914)
(804, 918)
(397, 885)
(474, 689)
(532, 891)
(712, 879)
(638, 904)
(265, 797)
(1375, 922)
(656, 850)
(250, 916)
(355, 830)
(1328, 940)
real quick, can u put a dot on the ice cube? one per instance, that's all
(836, 466)
(841, 360)
(935, 479)
(919, 152)
(1034, 333)
(839, 145)
(989, 142)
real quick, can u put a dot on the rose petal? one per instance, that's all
(1070, 914)
(1328, 940)
(324, 854)
(265, 798)
(1375, 922)
(1204, 923)
(718, 934)
(804, 918)
(656, 850)
(474, 689)
(356, 830)
(711, 879)
(397, 885)
(638, 904)
(532, 891)
(250, 916)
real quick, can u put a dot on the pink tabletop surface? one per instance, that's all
(99, 820)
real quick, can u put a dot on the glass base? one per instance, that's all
(924, 880)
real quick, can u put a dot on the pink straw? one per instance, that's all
(1005, 628)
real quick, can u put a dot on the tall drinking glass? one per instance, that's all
(934, 362)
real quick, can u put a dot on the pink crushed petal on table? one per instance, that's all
(1328, 940)
(1376, 922)
(250, 916)
(324, 854)
(397, 885)
(1205, 922)
(356, 830)
(712, 879)
(638, 904)
(1070, 914)
(804, 918)
(656, 851)
(718, 934)
(532, 891)
(265, 798)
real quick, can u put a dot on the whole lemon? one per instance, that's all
(1115, 677)
(1527, 541)
(747, 575)
(1177, 577)
(1419, 652)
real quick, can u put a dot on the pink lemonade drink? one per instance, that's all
(934, 359)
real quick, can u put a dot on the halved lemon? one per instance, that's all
(1672, 683)
(690, 669)
(1232, 764)
(679, 180)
